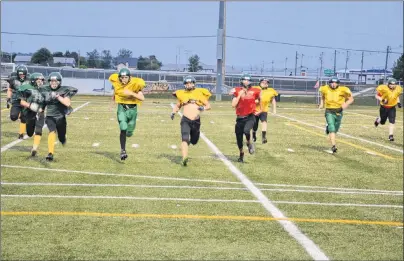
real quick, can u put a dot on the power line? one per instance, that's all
(112, 37)
(307, 45)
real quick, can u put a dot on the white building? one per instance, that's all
(366, 76)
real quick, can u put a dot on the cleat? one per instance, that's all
(391, 138)
(20, 136)
(326, 130)
(334, 149)
(33, 153)
(241, 158)
(123, 155)
(251, 148)
(264, 140)
(376, 122)
(254, 136)
(185, 161)
(49, 157)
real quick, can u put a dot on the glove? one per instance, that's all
(384, 101)
(172, 115)
(34, 107)
(201, 108)
(399, 105)
(8, 103)
(54, 95)
(69, 110)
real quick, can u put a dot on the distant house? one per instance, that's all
(22, 59)
(128, 62)
(65, 61)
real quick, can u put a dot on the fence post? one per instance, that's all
(104, 82)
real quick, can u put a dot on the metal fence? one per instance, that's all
(168, 80)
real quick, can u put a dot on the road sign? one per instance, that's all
(328, 72)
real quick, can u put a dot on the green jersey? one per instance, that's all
(54, 107)
(30, 94)
(14, 84)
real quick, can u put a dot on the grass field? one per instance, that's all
(89, 205)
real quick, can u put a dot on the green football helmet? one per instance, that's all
(21, 70)
(55, 76)
(34, 77)
(392, 81)
(189, 78)
(124, 72)
(245, 76)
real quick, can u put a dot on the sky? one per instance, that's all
(356, 25)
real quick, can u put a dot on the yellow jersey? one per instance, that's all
(334, 98)
(197, 95)
(135, 85)
(390, 95)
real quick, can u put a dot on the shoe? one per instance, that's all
(391, 138)
(251, 148)
(185, 161)
(376, 122)
(49, 157)
(123, 155)
(254, 137)
(334, 149)
(264, 140)
(241, 158)
(20, 136)
(33, 153)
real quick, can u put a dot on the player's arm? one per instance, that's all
(236, 99)
(138, 95)
(273, 105)
(321, 102)
(206, 106)
(398, 102)
(349, 100)
(176, 108)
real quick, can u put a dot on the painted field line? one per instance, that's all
(343, 134)
(13, 143)
(364, 115)
(344, 142)
(189, 187)
(310, 247)
(195, 180)
(331, 204)
(185, 216)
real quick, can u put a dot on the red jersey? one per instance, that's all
(246, 105)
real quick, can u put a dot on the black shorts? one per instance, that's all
(190, 130)
(263, 116)
(35, 122)
(16, 112)
(245, 124)
(389, 113)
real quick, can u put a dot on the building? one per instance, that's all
(130, 63)
(366, 76)
(22, 59)
(64, 61)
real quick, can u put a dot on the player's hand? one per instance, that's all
(127, 92)
(54, 95)
(320, 106)
(399, 105)
(34, 107)
(172, 115)
(344, 106)
(8, 103)
(256, 113)
(384, 101)
(201, 108)
(242, 93)
(274, 112)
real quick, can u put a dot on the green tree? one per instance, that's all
(42, 56)
(398, 69)
(57, 54)
(93, 60)
(67, 54)
(193, 65)
(149, 63)
(106, 59)
(124, 53)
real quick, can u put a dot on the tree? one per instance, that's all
(193, 65)
(42, 56)
(124, 53)
(67, 54)
(398, 70)
(149, 63)
(93, 59)
(106, 59)
(57, 54)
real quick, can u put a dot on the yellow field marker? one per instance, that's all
(174, 216)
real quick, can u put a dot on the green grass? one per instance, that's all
(154, 162)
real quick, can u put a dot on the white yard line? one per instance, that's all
(13, 143)
(201, 200)
(311, 248)
(343, 134)
(201, 180)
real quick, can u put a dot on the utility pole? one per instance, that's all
(361, 70)
(335, 62)
(321, 71)
(387, 60)
(296, 62)
(78, 62)
(286, 62)
(272, 67)
(346, 63)
(262, 67)
(221, 47)
(301, 63)
(11, 53)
